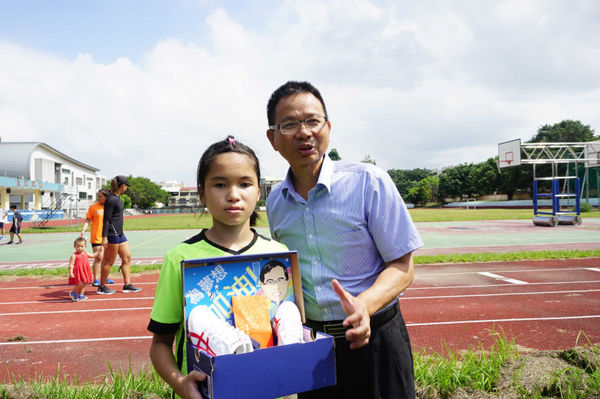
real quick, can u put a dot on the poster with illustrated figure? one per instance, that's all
(212, 282)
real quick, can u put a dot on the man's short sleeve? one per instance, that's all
(389, 222)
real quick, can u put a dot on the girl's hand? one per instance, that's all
(190, 385)
(71, 275)
(104, 242)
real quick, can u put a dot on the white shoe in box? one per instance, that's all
(287, 324)
(214, 336)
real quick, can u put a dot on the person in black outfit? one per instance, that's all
(114, 240)
(16, 225)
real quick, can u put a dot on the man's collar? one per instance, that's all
(324, 179)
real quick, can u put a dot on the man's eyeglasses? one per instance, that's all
(314, 124)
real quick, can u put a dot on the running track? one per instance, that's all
(543, 305)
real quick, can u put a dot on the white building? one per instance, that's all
(34, 175)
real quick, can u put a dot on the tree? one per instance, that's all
(565, 131)
(424, 191)
(334, 155)
(457, 181)
(368, 159)
(144, 193)
(486, 177)
(405, 179)
(418, 195)
(126, 201)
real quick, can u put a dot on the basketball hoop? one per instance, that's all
(509, 153)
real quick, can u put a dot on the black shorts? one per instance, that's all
(96, 245)
(14, 229)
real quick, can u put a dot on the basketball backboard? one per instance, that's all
(592, 154)
(509, 153)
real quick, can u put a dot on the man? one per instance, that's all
(3, 219)
(95, 217)
(354, 238)
(16, 225)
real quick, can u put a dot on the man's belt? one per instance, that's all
(336, 329)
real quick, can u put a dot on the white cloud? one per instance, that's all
(424, 84)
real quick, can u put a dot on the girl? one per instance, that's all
(228, 179)
(79, 270)
(113, 238)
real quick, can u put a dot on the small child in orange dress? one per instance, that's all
(79, 270)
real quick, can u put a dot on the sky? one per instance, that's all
(142, 88)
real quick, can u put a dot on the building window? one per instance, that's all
(82, 195)
(66, 181)
(79, 181)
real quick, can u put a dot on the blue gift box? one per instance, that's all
(266, 372)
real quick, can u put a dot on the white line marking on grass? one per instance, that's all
(76, 311)
(439, 323)
(141, 298)
(593, 269)
(441, 287)
(499, 294)
(502, 278)
(68, 341)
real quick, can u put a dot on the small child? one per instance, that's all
(79, 270)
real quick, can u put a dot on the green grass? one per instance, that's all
(117, 384)
(437, 375)
(506, 256)
(476, 369)
(450, 214)
(159, 222)
(198, 221)
(422, 259)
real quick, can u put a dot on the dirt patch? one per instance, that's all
(547, 373)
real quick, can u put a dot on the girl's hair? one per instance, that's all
(230, 144)
(78, 240)
(117, 182)
(114, 186)
(104, 191)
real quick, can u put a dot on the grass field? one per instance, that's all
(198, 221)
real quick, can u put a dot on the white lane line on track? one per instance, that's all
(440, 323)
(441, 287)
(74, 311)
(141, 298)
(432, 274)
(45, 287)
(68, 341)
(502, 278)
(594, 269)
(499, 294)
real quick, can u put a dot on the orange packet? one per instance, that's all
(251, 315)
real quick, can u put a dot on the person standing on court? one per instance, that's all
(354, 238)
(95, 218)
(15, 229)
(113, 238)
(3, 219)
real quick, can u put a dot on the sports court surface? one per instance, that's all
(542, 304)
